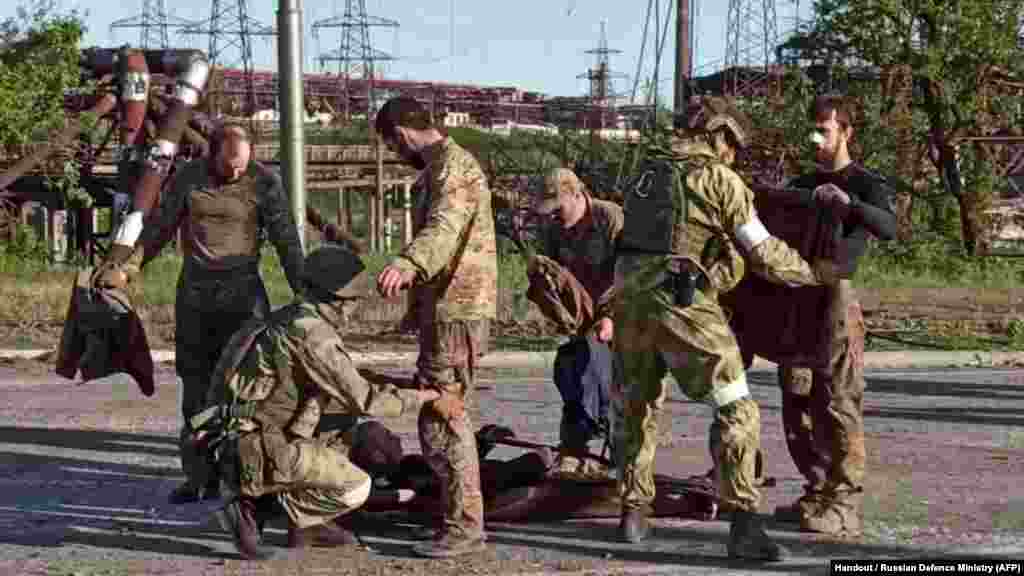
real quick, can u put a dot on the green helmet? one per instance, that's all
(334, 272)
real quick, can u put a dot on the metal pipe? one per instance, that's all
(684, 58)
(133, 93)
(378, 196)
(190, 135)
(193, 71)
(289, 61)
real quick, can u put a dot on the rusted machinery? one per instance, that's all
(149, 127)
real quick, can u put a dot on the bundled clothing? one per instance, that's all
(103, 335)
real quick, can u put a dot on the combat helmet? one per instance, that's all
(332, 272)
(709, 114)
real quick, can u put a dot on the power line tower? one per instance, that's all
(752, 33)
(231, 31)
(355, 54)
(602, 94)
(153, 23)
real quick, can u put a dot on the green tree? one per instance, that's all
(953, 50)
(39, 56)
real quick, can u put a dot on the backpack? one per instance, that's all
(655, 204)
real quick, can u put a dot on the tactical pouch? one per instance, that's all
(683, 280)
(683, 284)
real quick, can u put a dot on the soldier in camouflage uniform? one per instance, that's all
(275, 379)
(823, 408)
(659, 327)
(221, 204)
(452, 267)
(580, 241)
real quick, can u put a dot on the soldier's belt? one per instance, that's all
(222, 413)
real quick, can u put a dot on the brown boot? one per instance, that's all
(804, 507)
(634, 525)
(328, 535)
(840, 515)
(748, 540)
(239, 518)
(450, 545)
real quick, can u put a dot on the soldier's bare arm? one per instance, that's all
(455, 192)
(769, 256)
(276, 217)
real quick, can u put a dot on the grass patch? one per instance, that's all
(1011, 518)
(34, 292)
(895, 515)
(934, 264)
(1015, 439)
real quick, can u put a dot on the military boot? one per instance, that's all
(804, 507)
(748, 540)
(634, 525)
(188, 494)
(838, 515)
(328, 535)
(450, 544)
(240, 519)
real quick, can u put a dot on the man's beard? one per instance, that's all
(411, 156)
(417, 161)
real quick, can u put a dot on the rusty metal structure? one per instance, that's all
(148, 130)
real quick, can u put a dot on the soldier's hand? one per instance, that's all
(114, 277)
(831, 194)
(449, 406)
(536, 263)
(605, 330)
(827, 272)
(393, 279)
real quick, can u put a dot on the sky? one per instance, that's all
(535, 45)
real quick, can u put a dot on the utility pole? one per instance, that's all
(684, 56)
(289, 74)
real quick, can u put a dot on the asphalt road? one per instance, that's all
(85, 470)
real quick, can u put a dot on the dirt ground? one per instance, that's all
(84, 473)
(985, 313)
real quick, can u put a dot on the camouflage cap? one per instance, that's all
(335, 270)
(558, 181)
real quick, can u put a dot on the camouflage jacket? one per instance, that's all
(720, 205)
(295, 368)
(453, 250)
(588, 249)
(221, 224)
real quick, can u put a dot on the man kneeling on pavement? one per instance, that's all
(568, 281)
(274, 380)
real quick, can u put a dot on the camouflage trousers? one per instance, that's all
(313, 479)
(449, 352)
(654, 337)
(209, 308)
(823, 409)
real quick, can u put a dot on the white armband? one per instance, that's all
(129, 230)
(731, 392)
(751, 234)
